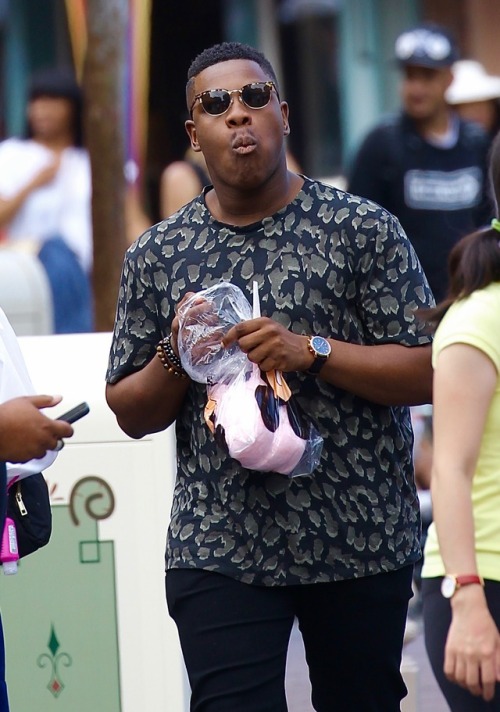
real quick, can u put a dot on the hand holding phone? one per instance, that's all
(75, 413)
(72, 416)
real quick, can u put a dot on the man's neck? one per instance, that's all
(234, 207)
(435, 127)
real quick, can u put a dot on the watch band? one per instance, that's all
(451, 583)
(465, 579)
(316, 365)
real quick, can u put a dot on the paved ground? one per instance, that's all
(427, 696)
(298, 689)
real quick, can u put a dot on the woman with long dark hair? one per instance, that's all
(45, 195)
(461, 573)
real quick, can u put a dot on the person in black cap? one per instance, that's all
(426, 165)
(45, 195)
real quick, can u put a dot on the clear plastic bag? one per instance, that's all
(251, 414)
(204, 318)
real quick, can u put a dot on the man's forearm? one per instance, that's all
(389, 374)
(147, 401)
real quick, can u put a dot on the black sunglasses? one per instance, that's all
(217, 101)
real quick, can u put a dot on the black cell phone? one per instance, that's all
(75, 413)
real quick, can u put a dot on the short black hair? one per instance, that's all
(226, 51)
(59, 83)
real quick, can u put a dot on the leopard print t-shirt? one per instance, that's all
(329, 263)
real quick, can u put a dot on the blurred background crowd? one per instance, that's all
(117, 100)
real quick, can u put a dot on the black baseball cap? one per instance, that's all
(427, 45)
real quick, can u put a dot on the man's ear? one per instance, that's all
(284, 113)
(191, 132)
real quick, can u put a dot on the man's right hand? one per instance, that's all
(25, 432)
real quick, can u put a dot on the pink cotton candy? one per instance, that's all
(247, 438)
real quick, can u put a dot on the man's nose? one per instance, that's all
(238, 112)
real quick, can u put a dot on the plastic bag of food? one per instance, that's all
(251, 413)
(204, 318)
(256, 419)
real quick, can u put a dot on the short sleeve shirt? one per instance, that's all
(330, 264)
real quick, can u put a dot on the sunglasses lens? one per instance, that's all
(216, 102)
(256, 95)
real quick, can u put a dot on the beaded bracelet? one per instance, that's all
(169, 359)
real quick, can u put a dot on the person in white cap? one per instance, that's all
(426, 165)
(475, 94)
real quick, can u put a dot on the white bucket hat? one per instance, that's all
(471, 83)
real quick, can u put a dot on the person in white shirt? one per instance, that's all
(45, 195)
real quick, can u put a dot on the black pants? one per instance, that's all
(234, 639)
(437, 620)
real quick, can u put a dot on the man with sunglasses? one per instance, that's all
(339, 283)
(426, 165)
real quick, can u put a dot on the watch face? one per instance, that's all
(448, 586)
(321, 346)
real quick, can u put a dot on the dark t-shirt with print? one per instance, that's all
(438, 193)
(328, 263)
